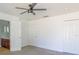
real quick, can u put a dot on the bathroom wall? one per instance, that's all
(3, 31)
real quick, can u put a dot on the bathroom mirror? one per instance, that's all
(6, 28)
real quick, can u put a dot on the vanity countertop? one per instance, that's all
(6, 37)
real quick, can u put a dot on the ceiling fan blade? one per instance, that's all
(21, 8)
(32, 5)
(39, 9)
(23, 12)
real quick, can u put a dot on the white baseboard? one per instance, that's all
(48, 48)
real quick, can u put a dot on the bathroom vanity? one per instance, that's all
(5, 43)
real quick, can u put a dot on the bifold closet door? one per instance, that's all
(71, 36)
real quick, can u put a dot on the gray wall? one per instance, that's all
(2, 24)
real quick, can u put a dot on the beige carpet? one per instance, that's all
(3, 50)
(32, 50)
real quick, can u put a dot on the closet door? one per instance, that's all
(71, 36)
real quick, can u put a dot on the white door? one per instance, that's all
(71, 36)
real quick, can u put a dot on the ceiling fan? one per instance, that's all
(31, 9)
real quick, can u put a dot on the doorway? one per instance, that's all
(4, 36)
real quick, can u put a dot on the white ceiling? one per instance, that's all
(53, 9)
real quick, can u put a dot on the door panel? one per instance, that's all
(71, 40)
